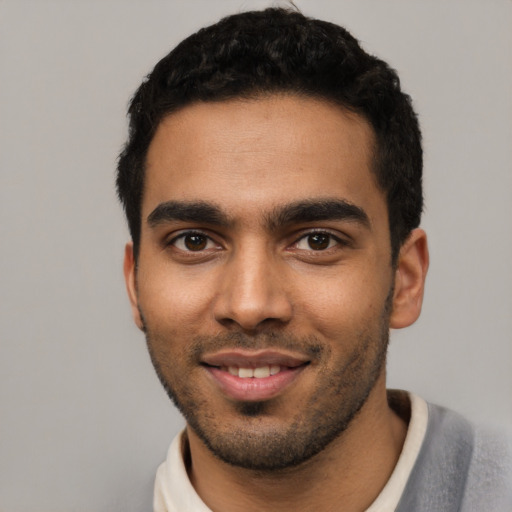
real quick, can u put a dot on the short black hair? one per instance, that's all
(275, 50)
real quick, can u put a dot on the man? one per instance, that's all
(272, 185)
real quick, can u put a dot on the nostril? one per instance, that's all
(252, 327)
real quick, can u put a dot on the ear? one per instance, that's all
(131, 285)
(410, 280)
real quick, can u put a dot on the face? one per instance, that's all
(264, 279)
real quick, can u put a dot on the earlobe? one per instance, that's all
(410, 276)
(131, 285)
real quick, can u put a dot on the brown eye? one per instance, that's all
(195, 242)
(319, 241)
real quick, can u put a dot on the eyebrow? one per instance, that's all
(310, 210)
(313, 210)
(193, 211)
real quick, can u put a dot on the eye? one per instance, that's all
(193, 242)
(319, 241)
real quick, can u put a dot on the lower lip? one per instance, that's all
(253, 389)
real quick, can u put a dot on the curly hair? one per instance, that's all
(258, 53)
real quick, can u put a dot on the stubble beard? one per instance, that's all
(340, 395)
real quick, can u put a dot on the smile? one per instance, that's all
(261, 372)
(244, 376)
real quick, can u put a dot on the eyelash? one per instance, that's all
(182, 236)
(330, 238)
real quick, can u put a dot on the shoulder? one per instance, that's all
(489, 480)
(460, 467)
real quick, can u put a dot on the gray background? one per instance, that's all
(83, 421)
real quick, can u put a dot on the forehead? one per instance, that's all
(249, 156)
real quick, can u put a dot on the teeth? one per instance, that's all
(262, 372)
(274, 369)
(245, 373)
(258, 373)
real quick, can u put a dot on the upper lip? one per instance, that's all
(253, 359)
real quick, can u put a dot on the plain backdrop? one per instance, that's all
(83, 420)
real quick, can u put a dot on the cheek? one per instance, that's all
(173, 300)
(345, 305)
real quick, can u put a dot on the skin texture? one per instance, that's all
(227, 266)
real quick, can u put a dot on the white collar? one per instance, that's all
(389, 497)
(175, 493)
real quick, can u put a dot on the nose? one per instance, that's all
(252, 292)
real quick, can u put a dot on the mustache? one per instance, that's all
(201, 345)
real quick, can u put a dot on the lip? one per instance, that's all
(253, 389)
(253, 359)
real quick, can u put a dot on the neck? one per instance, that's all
(348, 475)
